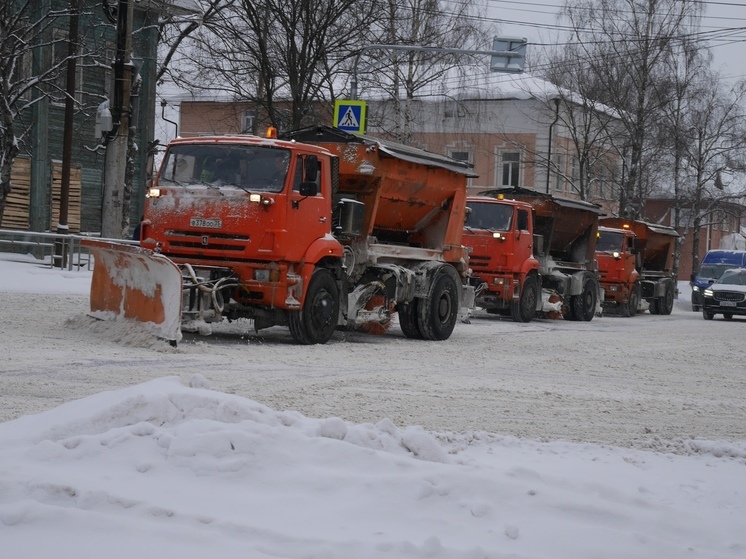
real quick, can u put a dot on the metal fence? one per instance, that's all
(56, 249)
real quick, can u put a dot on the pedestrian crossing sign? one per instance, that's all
(350, 116)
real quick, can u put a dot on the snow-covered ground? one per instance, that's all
(615, 438)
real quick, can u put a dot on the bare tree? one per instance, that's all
(402, 75)
(716, 143)
(593, 129)
(276, 53)
(687, 69)
(175, 27)
(22, 29)
(627, 45)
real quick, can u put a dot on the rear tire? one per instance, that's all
(666, 302)
(316, 321)
(584, 305)
(524, 309)
(439, 312)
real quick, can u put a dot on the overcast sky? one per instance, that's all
(724, 23)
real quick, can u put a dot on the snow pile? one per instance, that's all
(162, 469)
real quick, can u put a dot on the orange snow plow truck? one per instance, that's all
(533, 254)
(319, 230)
(635, 260)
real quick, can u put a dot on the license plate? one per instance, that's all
(728, 303)
(206, 223)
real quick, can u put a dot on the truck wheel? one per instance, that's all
(316, 321)
(524, 309)
(707, 315)
(408, 313)
(665, 305)
(438, 313)
(630, 309)
(584, 305)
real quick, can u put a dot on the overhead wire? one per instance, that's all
(720, 36)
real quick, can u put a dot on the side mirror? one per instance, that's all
(310, 169)
(522, 221)
(308, 189)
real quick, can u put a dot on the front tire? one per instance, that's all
(630, 309)
(707, 315)
(316, 321)
(524, 309)
(439, 311)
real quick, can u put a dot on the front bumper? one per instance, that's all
(722, 304)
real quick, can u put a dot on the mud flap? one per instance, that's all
(134, 283)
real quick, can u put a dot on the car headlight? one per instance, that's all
(708, 293)
(695, 289)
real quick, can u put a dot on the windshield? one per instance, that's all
(733, 277)
(713, 271)
(493, 217)
(253, 168)
(609, 241)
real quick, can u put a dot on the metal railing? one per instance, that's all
(58, 250)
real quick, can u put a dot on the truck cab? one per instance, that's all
(615, 254)
(500, 234)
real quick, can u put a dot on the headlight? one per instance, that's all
(261, 275)
(695, 289)
(154, 192)
(708, 293)
(498, 281)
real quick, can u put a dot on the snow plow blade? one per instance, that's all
(135, 283)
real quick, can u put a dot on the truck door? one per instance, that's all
(309, 217)
(524, 241)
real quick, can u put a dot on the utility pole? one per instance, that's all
(113, 206)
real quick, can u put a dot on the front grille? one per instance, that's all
(479, 262)
(211, 246)
(208, 233)
(729, 296)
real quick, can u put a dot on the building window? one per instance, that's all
(247, 121)
(574, 173)
(23, 71)
(461, 155)
(559, 172)
(511, 164)
(464, 156)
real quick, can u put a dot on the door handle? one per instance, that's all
(322, 220)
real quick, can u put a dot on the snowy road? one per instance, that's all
(645, 381)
